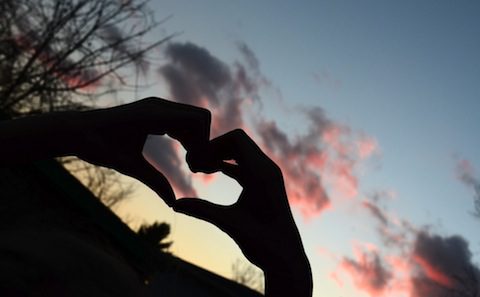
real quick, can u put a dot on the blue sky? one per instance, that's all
(405, 74)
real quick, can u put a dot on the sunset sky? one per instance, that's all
(371, 109)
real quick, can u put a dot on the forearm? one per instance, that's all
(38, 137)
(292, 280)
(288, 271)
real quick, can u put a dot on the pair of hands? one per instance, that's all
(260, 221)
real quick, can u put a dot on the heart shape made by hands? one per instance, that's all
(170, 158)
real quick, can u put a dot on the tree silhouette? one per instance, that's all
(106, 184)
(58, 55)
(249, 275)
(155, 235)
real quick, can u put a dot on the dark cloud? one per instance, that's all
(444, 267)
(113, 35)
(319, 120)
(393, 233)
(249, 56)
(201, 64)
(420, 263)
(181, 86)
(426, 265)
(194, 75)
(244, 81)
(248, 74)
(465, 174)
(274, 139)
(376, 212)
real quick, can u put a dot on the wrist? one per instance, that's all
(37, 137)
(289, 279)
(68, 133)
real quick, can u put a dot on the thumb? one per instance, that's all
(201, 209)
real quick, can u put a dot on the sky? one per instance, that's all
(369, 107)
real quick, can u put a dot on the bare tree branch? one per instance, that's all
(249, 275)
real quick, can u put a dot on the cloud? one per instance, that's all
(162, 153)
(346, 150)
(249, 56)
(368, 272)
(466, 174)
(444, 266)
(320, 161)
(194, 76)
(429, 265)
(376, 212)
(392, 231)
(366, 147)
(301, 162)
(418, 262)
(317, 164)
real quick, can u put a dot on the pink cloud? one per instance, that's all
(344, 179)
(366, 147)
(367, 271)
(432, 265)
(417, 262)
(346, 150)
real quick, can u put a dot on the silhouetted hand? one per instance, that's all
(111, 137)
(114, 137)
(260, 222)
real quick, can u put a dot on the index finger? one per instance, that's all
(234, 145)
(191, 127)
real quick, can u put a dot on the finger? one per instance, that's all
(190, 125)
(253, 164)
(186, 123)
(201, 209)
(155, 180)
(233, 171)
(202, 160)
(236, 145)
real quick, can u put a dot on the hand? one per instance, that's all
(114, 137)
(260, 222)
